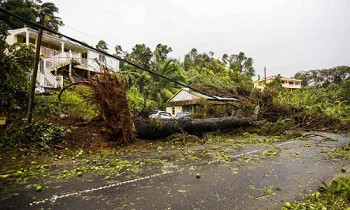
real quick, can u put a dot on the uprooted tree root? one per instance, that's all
(109, 95)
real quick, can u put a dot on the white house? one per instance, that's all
(61, 57)
(288, 83)
(186, 100)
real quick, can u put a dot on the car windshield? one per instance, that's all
(155, 112)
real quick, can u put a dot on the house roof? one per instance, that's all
(201, 96)
(282, 78)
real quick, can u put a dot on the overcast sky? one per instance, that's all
(286, 36)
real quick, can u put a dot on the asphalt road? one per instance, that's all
(253, 177)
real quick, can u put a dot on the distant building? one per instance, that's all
(60, 57)
(186, 100)
(289, 83)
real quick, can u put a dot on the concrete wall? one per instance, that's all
(111, 62)
(10, 39)
(93, 66)
(170, 110)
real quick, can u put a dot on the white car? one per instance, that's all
(158, 114)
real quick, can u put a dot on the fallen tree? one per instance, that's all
(108, 93)
(154, 128)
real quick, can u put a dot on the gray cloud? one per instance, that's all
(285, 36)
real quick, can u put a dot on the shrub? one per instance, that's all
(73, 103)
(39, 135)
(333, 196)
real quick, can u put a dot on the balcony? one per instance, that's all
(47, 52)
(292, 86)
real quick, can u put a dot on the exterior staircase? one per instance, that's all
(45, 77)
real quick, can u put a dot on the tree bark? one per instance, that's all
(154, 128)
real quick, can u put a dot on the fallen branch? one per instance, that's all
(70, 85)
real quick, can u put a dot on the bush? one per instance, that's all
(39, 135)
(207, 110)
(73, 103)
(275, 128)
(333, 196)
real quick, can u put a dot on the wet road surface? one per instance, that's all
(254, 177)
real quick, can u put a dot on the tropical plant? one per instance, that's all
(324, 77)
(102, 45)
(140, 55)
(16, 62)
(30, 10)
(162, 89)
(24, 8)
(49, 9)
(161, 52)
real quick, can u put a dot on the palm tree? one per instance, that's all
(102, 45)
(49, 9)
(162, 89)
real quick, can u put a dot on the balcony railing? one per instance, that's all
(291, 86)
(47, 52)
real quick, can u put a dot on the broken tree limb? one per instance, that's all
(70, 85)
(154, 128)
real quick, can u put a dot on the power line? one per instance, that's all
(102, 52)
(82, 32)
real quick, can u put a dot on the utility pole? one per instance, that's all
(35, 71)
(265, 74)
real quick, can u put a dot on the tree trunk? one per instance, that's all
(154, 128)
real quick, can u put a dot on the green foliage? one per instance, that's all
(333, 196)
(207, 110)
(346, 91)
(25, 9)
(275, 128)
(201, 71)
(317, 101)
(16, 62)
(140, 55)
(161, 52)
(40, 135)
(102, 45)
(228, 77)
(324, 77)
(30, 10)
(137, 102)
(73, 103)
(161, 89)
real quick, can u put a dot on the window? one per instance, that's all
(102, 58)
(173, 110)
(187, 108)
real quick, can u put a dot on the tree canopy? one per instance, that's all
(203, 71)
(324, 77)
(30, 10)
(16, 61)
